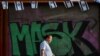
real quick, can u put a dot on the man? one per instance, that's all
(45, 49)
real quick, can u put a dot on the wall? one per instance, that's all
(75, 32)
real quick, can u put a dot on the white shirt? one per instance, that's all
(44, 45)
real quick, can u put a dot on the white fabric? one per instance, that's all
(44, 45)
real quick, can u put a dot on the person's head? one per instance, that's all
(48, 38)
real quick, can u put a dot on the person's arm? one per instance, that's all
(42, 49)
(42, 52)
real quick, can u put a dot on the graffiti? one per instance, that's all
(68, 40)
